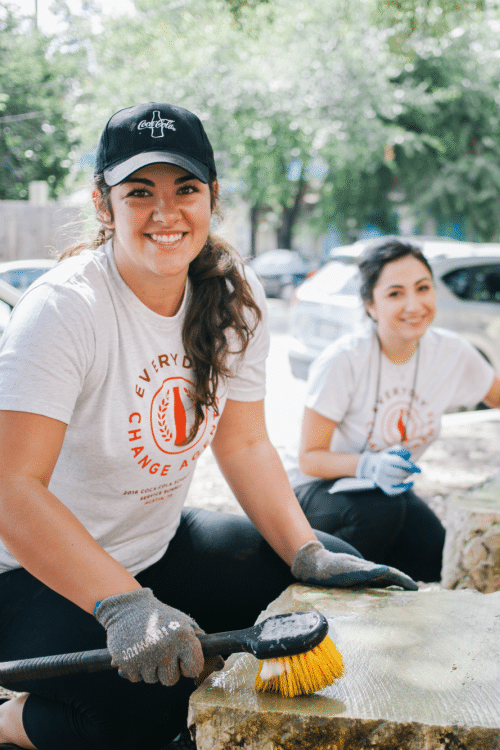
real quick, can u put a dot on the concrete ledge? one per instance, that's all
(422, 671)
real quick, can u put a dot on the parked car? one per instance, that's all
(15, 277)
(280, 272)
(22, 273)
(467, 279)
(8, 298)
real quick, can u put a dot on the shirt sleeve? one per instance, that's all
(331, 382)
(476, 377)
(45, 352)
(249, 380)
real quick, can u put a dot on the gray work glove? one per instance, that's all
(389, 469)
(315, 564)
(148, 640)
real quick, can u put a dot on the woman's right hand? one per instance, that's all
(316, 565)
(390, 469)
(149, 640)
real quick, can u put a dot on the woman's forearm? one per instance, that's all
(260, 484)
(328, 465)
(51, 544)
(315, 457)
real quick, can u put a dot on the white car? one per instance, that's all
(15, 277)
(22, 273)
(467, 279)
(280, 271)
(8, 298)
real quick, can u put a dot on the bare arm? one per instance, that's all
(42, 534)
(315, 457)
(256, 475)
(492, 398)
(254, 472)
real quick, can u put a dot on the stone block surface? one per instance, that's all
(422, 671)
(471, 555)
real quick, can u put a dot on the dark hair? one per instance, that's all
(220, 301)
(377, 255)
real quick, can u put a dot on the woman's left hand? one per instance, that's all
(317, 565)
(389, 469)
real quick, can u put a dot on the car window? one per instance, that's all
(337, 278)
(21, 278)
(476, 283)
(5, 311)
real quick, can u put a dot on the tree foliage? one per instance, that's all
(35, 134)
(287, 97)
(447, 153)
(321, 115)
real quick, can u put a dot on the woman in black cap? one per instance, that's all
(118, 369)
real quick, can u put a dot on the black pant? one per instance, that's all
(400, 530)
(217, 568)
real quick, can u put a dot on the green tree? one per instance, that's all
(307, 106)
(447, 153)
(35, 92)
(288, 94)
(431, 18)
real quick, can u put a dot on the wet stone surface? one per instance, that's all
(422, 672)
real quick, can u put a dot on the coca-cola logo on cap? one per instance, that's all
(157, 125)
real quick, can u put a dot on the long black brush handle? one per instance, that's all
(55, 666)
(280, 635)
(99, 660)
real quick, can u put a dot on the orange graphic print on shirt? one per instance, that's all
(396, 425)
(172, 415)
(402, 427)
(161, 422)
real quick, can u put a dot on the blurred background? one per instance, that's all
(332, 122)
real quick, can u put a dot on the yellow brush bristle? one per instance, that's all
(301, 674)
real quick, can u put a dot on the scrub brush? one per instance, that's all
(313, 663)
(297, 655)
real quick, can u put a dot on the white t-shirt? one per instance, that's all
(83, 349)
(448, 372)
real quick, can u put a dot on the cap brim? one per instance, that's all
(124, 169)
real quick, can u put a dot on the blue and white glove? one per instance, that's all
(317, 565)
(388, 469)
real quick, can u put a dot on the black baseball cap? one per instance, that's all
(150, 133)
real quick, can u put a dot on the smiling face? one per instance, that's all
(404, 302)
(161, 219)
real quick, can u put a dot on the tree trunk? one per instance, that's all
(254, 225)
(289, 215)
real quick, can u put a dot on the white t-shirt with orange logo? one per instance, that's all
(83, 349)
(342, 387)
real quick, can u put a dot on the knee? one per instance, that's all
(11, 722)
(337, 544)
(379, 511)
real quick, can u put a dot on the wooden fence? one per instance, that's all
(36, 231)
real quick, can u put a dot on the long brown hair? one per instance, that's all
(220, 302)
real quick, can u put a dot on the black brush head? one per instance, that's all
(287, 635)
